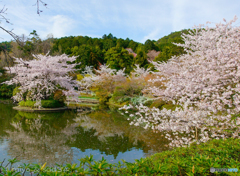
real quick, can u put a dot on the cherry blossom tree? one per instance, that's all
(204, 84)
(41, 77)
(103, 74)
(140, 72)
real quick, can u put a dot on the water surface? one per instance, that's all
(65, 137)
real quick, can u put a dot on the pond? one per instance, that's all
(65, 137)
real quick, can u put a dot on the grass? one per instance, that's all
(91, 97)
(81, 104)
(86, 97)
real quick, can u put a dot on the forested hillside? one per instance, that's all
(167, 47)
(96, 51)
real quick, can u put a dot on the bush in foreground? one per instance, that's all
(193, 160)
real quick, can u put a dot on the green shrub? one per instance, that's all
(27, 103)
(193, 160)
(158, 103)
(16, 90)
(131, 89)
(139, 100)
(148, 103)
(45, 103)
(6, 91)
(21, 103)
(103, 97)
(124, 99)
(126, 93)
(59, 96)
(52, 104)
(170, 106)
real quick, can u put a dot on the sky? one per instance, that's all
(138, 20)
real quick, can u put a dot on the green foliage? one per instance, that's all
(79, 77)
(45, 103)
(119, 91)
(87, 95)
(120, 95)
(173, 37)
(87, 56)
(140, 100)
(16, 90)
(52, 104)
(141, 59)
(158, 103)
(125, 100)
(33, 45)
(103, 96)
(118, 58)
(126, 93)
(167, 48)
(170, 106)
(168, 51)
(90, 51)
(104, 89)
(5, 46)
(133, 45)
(59, 96)
(150, 45)
(148, 103)
(6, 91)
(193, 160)
(27, 103)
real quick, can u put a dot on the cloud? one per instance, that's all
(186, 13)
(179, 13)
(59, 26)
(137, 19)
(152, 35)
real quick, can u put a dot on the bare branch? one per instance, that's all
(14, 36)
(38, 6)
(18, 39)
(2, 13)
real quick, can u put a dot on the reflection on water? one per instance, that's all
(66, 136)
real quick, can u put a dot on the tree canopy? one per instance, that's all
(167, 47)
(119, 58)
(98, 51)
(41, 77)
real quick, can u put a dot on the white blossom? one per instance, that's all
(204, 82)
(40, 77)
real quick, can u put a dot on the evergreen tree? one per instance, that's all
(141, 59)
(118, 58)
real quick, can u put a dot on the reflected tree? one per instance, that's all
(53, 137)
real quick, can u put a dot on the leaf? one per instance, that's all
(43, 166)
